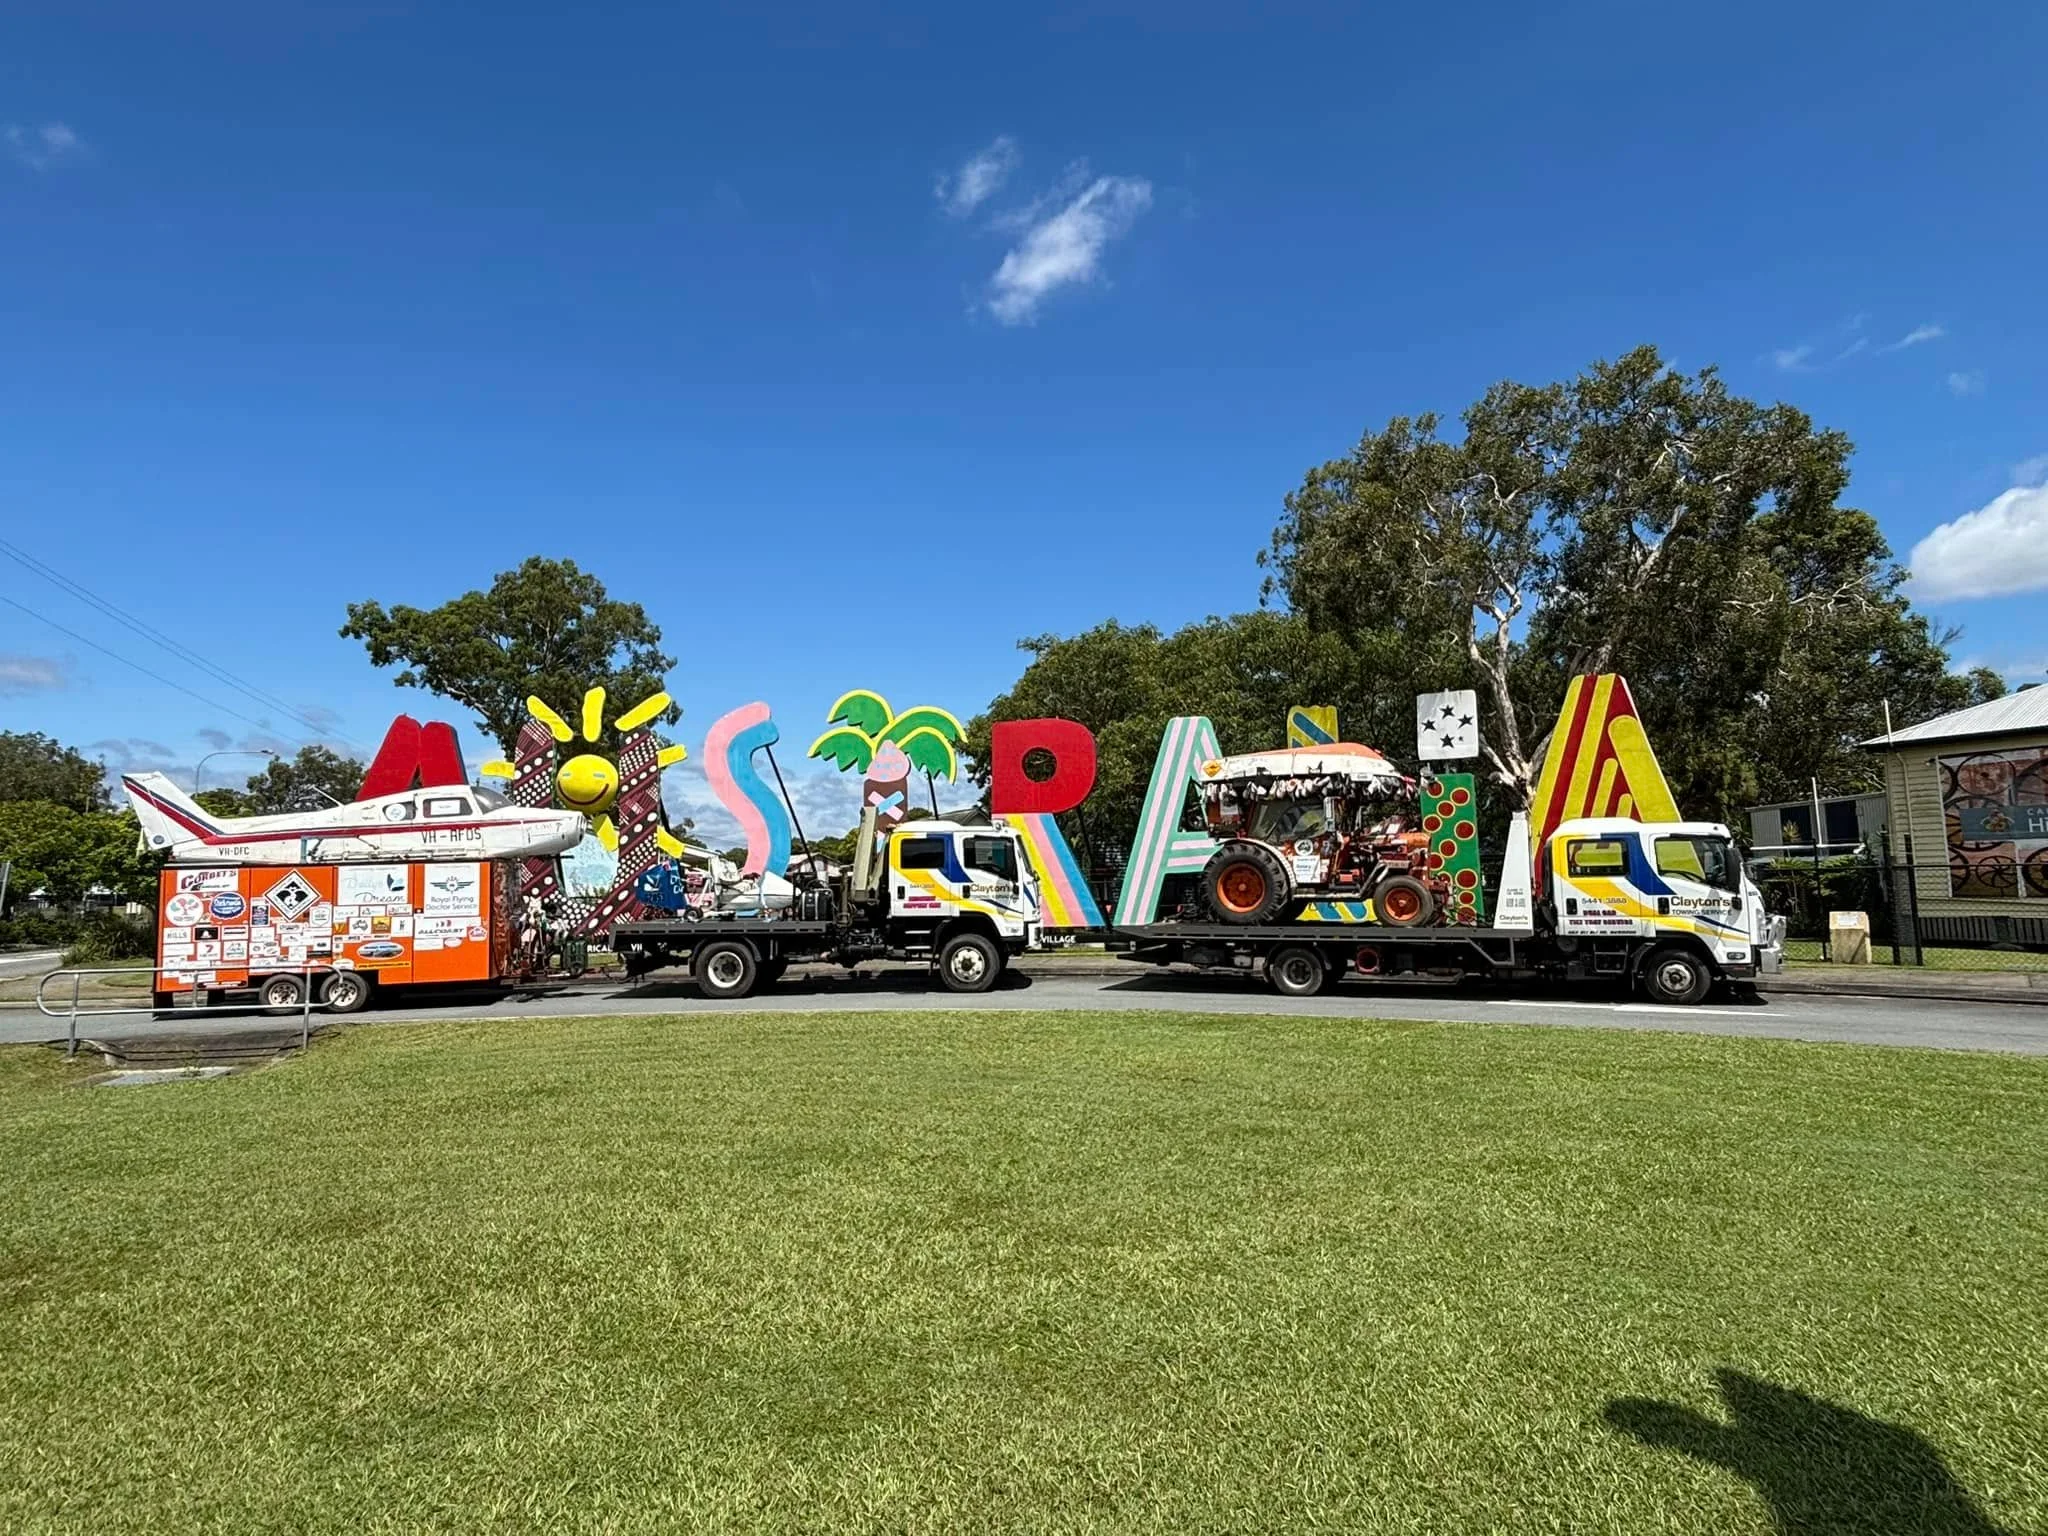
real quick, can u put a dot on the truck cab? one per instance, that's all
(1668, 904)
(939, 881)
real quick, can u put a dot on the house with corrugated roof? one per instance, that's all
(1967, 797)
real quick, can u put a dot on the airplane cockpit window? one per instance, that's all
(440, 806)
(399, 810)
(489, 800)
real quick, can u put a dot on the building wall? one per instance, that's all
(1912, 784)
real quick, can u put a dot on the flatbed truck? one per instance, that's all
(1667, 908)
(960, 899)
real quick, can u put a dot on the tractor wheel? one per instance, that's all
(1402, 901)
(1246, 883)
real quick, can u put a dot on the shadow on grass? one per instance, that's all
(1822, 1468)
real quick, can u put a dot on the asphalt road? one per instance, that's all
(29, 962)
(1987, 1026)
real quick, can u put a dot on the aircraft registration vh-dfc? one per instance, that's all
(443, 822)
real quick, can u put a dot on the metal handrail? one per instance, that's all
(305, 972)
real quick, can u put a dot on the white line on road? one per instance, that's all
(1672, 1010)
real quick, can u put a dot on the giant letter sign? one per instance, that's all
(729, 764)
(1161, 848)
(1029, 805)
(410, 748)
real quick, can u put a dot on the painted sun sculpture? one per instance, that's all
(866, 734)
(588, 781)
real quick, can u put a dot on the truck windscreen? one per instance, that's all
(1711, 860)
(992, 855)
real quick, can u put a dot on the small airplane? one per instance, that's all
(441, 822)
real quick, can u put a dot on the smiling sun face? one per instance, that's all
(589, 781)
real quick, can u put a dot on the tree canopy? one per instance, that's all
(1632, 519)
(67, 852)
(37, 767)
(547, 628)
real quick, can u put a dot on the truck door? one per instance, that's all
(1591, 888)
(1698, 889)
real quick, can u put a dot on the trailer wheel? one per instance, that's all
(1402, 901)
(725, 968)
(345, 992)
(1297, 972)
(1674, 975)
(969, 963)
(1246, 883)
(281, 994)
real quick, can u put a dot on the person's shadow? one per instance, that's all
(1822, 1468)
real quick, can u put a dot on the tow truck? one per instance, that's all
(958, 898)
(1666, 907)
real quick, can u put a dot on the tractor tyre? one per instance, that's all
(1402, 901)
(1245, 883)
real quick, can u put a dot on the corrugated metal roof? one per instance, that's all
(2023, 711)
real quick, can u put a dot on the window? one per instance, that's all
(993, 855)
(1711, 860)
(1840, 817)
(1597, 856)
(489, 800)
(398, 810)
(1285, 821)
(921, 853)
(445, 805)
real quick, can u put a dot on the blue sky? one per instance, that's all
(857, 346)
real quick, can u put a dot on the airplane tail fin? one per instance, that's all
(168, 815)
(1600, 762)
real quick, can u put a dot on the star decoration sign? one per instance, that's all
(1447, 725)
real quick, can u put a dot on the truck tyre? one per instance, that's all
(1297, 972)
(1402, 901)
(1674, 975)
(969, 963)
(281, 994)
(1246, 883)
(345, 992)
(725, 968)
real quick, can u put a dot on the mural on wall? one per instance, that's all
(1995, 810)
(866, 734)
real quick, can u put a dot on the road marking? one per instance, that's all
(1674, 1010)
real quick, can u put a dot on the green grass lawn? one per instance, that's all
(1029, 1272)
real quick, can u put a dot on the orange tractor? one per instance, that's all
(1331, 823)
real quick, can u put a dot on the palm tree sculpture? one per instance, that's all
(885, 746)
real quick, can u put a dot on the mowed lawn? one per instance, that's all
(951, 1272)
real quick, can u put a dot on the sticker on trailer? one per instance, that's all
(454, 889)
(291, 896)
(322, 914)
(1307, 867)
(206, 882)
(401, 925)
(479, 933)
(259, 913)
(206, 952)
(428, 943)
(380, 949)
(369, 885)
(201, 978)
(177, 936)
(235, 949)
(184, 910)
(344, 965)
(228, 904)
(380, 924)
(181, 951)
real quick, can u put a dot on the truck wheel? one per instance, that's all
(1297, 972)
(281, 994)
(969, 963)
(725, 968)
(1674, 975)
(345, 992)
(1402, 901)
(1246, 883)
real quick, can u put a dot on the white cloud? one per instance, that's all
(1966, 383)
(42, 148)
(1914, 337)
(1792, 359)
(20, 674)
(979, 178)
(2031, 471)
(1065, 246)
(1999, 549)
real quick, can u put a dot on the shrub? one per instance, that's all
(105, 938)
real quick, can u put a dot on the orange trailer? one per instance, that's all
(223, 929)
